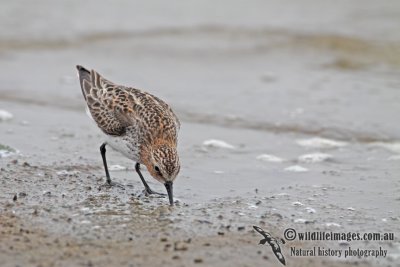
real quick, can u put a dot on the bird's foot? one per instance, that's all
(111, 184)
(147, 192)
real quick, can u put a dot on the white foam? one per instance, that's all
(351, 209)
(297, 203)
(5, 153)
(310, 210)
(217, 144)
(252, 206)
(117, 168)
(314, 157)
(391, 146)
(269, 158)
(5, 115)
(332, 224)
(300, 220)
(219, 172)
(317, 142)
(296, 168)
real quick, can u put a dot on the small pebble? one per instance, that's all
(26, 164)
(179, 246)
(198, 260)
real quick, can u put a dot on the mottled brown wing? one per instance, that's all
(115, 107)
(170, 111)
(156, 117)
(102, 103)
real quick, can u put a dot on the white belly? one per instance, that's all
(129, 149)
(127, 146)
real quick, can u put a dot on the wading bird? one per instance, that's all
(137, 124)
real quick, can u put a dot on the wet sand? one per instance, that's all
(309, 111)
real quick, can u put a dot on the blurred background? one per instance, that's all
(308, 66)
(280, 102)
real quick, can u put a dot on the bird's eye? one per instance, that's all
(157, 169)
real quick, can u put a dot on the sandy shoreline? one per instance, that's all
(55, 215)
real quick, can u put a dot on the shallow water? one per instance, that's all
(281, 102)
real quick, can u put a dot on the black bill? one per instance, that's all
(168, 186)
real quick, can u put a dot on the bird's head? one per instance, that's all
(163, 164)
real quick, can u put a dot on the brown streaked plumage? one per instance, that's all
(139, 125)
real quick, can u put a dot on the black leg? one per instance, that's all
(103, 155)
(146, 186)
